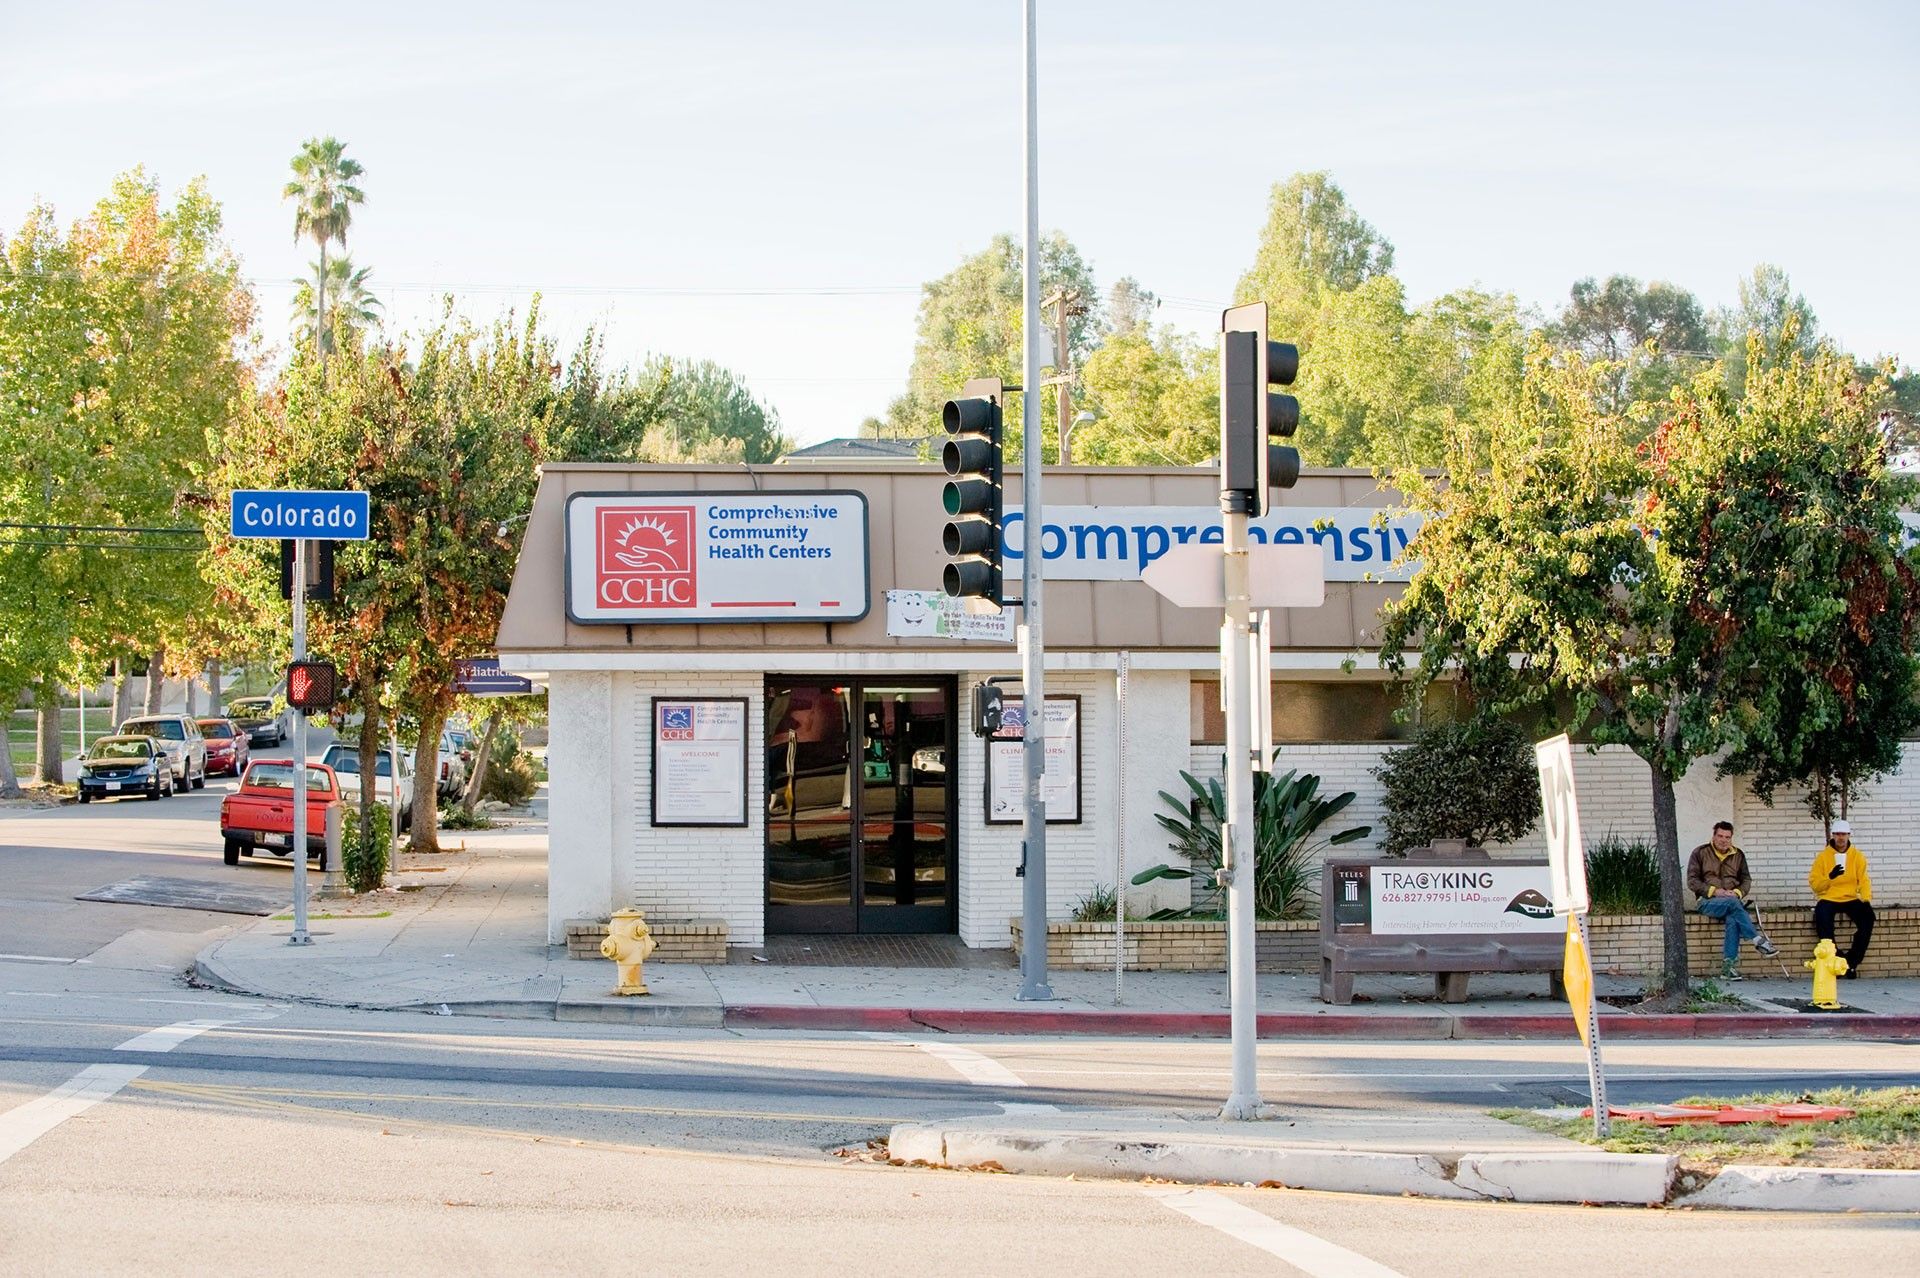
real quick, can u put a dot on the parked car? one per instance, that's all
(228, 746)
(452, 768)
(268, 720)
(260, 813)
(179, 735)
(344, 760)
(121, 767)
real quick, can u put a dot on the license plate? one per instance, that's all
(278, 840)
(113, 785)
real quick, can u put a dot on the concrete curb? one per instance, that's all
(1830, 1189)
(1571, 1177)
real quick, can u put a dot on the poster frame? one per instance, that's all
(653, 762)
(1015, 747)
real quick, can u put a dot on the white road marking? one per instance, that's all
(1309, 1253)
(971, 1065)
(24, 1124)
(41, 958)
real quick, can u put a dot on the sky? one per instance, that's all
(767, 185)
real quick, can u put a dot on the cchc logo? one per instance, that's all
(644, 557)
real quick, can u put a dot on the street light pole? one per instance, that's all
(1033, 902)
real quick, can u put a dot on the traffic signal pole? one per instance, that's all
(1033, 901)
(1237, 841)
(299, 936)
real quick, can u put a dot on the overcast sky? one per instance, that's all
(768, 184)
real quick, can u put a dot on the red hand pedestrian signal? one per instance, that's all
(312, 685)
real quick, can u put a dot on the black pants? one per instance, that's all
(1862, 915)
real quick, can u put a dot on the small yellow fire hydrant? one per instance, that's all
(1827, 969)
(628, 942)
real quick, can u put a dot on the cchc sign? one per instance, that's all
(644, 557)
(683, 557)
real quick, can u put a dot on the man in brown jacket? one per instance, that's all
(1717, 874)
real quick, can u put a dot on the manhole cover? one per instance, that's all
(186, 894)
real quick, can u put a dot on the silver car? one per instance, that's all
(179, 736)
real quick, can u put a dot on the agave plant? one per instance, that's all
(1288, 812)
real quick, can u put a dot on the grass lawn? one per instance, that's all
(1884, 1132)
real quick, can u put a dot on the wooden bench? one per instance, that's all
(1349, 945)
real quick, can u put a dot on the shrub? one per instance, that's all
(1097, 906)
(458, 818)
(1623, 877)
(366, 866)
(1287, 814)
(510, 781)
(1475, 781)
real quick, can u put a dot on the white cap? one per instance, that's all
(1841, 827)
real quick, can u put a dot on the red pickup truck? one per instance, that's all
(260, 813)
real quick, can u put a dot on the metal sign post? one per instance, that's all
(1567, 861)
(299, 515)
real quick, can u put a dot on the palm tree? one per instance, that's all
(354, 306)
(324, 195)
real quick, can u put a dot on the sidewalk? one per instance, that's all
(465, 934)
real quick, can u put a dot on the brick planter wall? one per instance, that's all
(1292, 945)
(676, 940)
(1625, 943)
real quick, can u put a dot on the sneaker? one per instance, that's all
(1765, 946)
(1731, 972)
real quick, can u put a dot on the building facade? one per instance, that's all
(758, 702)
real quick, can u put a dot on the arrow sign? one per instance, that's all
(1194, 576)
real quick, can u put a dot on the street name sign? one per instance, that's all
(1194, 576)
(301, 514)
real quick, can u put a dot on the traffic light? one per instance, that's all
(312, 685)
(973, 496)
(1251, 416)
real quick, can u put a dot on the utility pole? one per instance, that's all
(1065, 302)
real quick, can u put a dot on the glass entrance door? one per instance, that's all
(860, 815)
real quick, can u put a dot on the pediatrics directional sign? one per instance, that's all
(639, 558)
(300, 514)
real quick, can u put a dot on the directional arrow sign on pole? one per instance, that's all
(1192, 576)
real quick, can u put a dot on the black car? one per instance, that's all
(263, 718)
(121, 767)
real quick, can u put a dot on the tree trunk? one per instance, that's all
(426, 782)
(320, 311)
(9, 779)
(370, 769)
(217, 704)
(156, 681)
(476, 784)
(1673, 906)
(122, 694)
(47, 740)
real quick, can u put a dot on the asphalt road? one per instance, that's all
(148, 1124)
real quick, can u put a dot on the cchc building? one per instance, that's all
(758, 697)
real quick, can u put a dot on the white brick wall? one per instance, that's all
(1078, 856)
(1781, 840)
(677, 871)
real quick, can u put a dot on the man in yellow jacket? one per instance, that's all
(1841, 886)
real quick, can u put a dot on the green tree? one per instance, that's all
(1660, 588)
(1656, 335)
(1313, 243)
(124, 343)
(1768, 307)
(446, 444)
(666, 410)
(970, 325)
(355, 309)
(323, 191)
(1155, 396)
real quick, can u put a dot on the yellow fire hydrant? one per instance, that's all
(1827, 968)
(628, 942)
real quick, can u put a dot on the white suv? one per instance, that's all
(180, 737)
